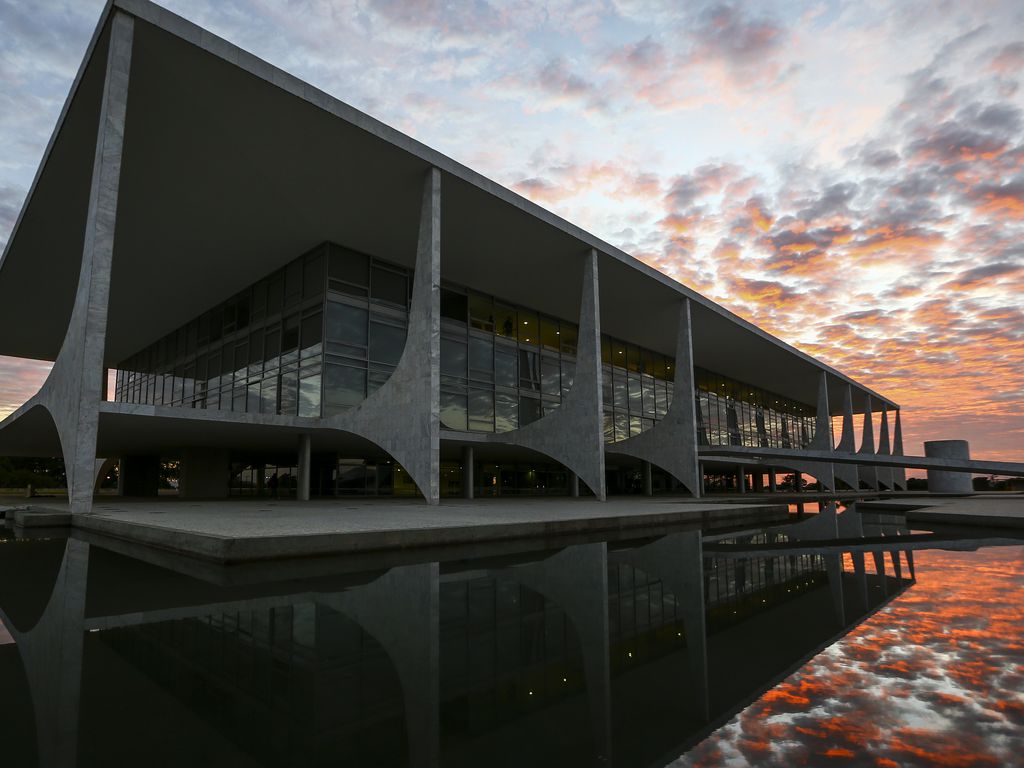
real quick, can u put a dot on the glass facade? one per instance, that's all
(284, 345)
(502, 366)
(636, 388)
(730, 412)
(317, 336)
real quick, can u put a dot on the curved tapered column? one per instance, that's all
(401, 611)
(867, 474)
(74, 388)
(574, 434)
(403, 416)
(576, 579)
(884, 474)
(899, 475)
(847, 444)
(672, 442)
(678, 560)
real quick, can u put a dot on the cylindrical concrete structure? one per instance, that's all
(948, 482)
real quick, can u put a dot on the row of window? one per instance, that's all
(288, 346)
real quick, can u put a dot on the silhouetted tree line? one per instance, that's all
(19, 472)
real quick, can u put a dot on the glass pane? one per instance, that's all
(569, 374)
(506, 368)
(550, 383)
(346, 325)
(453, 411)
(275, 297)
(481, 359)
(386, 343)
(618, 353)
(648, 396)
(453, 358)
(550, 336)
(529, 370)
(344, 387)
(309, 396)
(289, 394)
(454, 306)
(506, 412)
(635, 395)
(481, 410)
(529, 410)
(312, 332)
(620, 395)
(293, 283)
(290, 334)
(504, 321)
(527, 327)
(268, 395)
(349, 266)
(481, 312)
(313, 275)
(389, 286)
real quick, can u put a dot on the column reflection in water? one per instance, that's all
(586, 655)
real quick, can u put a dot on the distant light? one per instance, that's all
(564, 680)
(526, 322)
(531, 693)
(629, 654)
(558, 333)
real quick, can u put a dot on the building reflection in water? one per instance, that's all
(598, 653)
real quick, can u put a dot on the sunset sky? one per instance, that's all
(847, 175)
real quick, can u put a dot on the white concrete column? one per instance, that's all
(74, 388)
(574, 485)
(700, 478)
(403, 415)
(305, 457)
(884, 474)
(847, 444)
(648, 479)
(899, 475)
(467, 472)
(867, 474)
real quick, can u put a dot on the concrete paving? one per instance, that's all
(985, 510)
(237, 531)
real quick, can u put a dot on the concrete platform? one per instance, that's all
(990, 510)
(239, 531)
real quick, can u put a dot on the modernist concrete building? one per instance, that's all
(288, 289)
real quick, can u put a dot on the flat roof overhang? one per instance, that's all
(232, 167)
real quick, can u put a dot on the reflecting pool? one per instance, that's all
(779, 646)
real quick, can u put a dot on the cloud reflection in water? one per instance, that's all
(934, 679)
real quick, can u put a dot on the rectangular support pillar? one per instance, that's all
(758, 482)
(574, 485)
(467, 472)
(305, 457)
(741, 479)
(700, 477)
(772, 482)
(204, 473)
(798, 482)
(648, 480)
